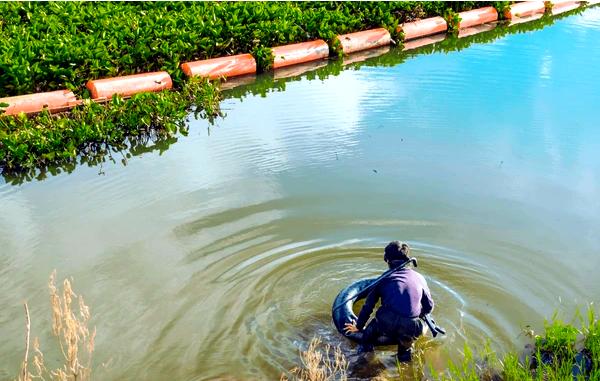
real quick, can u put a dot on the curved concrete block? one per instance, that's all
(230, 66)
(129, 85)
(422, 28)
(293, 54)
(525, 9)
(54, 101)
(368, 39)
(477, 17)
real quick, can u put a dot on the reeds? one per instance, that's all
(320, 363)
(70, 328)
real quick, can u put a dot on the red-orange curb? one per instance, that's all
(287, 55)
(422, 28)
(368, 39)
(129, 85)
(54, 101)
(213, 68)
(525, 9)
(477, 17)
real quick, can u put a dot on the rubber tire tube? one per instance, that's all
(345, 313)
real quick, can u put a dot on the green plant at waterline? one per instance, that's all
(453, 20)
(90, 129)
(501, 7)
(264, 58)
(563, 352)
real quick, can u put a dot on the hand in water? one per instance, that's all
(351, 328)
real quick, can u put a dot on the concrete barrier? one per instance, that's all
(368, 39)
(525, 9)
(422, 28)
(213, 68)
(293, 54)
(477, 17)
(54, 101)
(129, 85)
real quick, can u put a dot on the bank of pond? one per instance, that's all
(35, 146)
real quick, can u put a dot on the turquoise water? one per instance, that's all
(220, 256)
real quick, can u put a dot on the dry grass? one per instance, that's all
(320, 363)
(74, 338)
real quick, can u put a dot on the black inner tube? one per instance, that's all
(345, 314)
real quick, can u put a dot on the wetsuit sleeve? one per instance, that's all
(426, 300)
(367, 308)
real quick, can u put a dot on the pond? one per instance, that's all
(220, 256)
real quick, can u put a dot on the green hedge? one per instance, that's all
(47, 46)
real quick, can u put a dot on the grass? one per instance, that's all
(564, 352)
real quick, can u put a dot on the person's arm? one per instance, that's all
(367, 308)
(426, 300)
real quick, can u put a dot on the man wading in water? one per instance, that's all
(404, 296)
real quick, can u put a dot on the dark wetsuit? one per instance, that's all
(404, 297)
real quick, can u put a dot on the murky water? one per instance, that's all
(220, 257)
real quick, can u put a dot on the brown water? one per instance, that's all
(221, 256)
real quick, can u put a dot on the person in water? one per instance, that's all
(405, 297)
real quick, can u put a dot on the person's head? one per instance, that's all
(396, 252)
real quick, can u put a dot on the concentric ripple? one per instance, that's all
(282, 299)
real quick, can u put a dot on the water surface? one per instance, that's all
(220, 256)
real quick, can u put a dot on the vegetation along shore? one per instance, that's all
(51, 46)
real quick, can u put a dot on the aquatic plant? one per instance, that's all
(319, 363)
(264, 58)
(37, 141)
(501, 7)
(563, 352)
(71, 329)
(452, 19)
